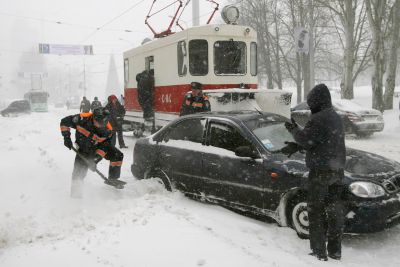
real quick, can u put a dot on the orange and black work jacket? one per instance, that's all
(87, 135)
(193, 104)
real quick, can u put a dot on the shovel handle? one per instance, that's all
(87, 162)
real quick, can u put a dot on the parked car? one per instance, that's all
(16, 107)
(233, 159)
(356, 119)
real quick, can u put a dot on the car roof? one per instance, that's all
(241, 115)
(20, 101)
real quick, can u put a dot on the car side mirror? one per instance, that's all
(246, 152)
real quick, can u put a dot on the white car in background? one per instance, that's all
(356, 119)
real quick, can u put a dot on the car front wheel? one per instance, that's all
(161, 178)
(299, 218)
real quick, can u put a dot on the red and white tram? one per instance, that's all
(218, 56)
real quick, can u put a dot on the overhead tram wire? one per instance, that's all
(63, 23)
(112, 20)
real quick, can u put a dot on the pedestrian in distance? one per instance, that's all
(95, 104)
(117, 113)
(93, 133)
(85, 105)
(323, 139)
(195, 101)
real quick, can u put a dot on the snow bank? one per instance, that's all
(143, 225)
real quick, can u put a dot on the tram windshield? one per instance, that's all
(198, 57)
(39, 97)
(229, 58)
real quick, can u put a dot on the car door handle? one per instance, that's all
(167, 155)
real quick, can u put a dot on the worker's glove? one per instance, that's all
(290, 126)
(68, 142)
(291, 148)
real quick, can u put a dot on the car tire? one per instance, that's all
(364, 134)
(298, 216)
(161, 178)
(137, 133)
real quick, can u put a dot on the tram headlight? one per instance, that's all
(230, 14)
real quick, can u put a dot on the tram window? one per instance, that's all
(182, 55)
(253, 59)
(126, 70)
(229, 57)
(198, 57)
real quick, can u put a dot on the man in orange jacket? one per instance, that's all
(93, 136)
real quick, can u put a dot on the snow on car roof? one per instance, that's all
(347, 105)
(241, 90)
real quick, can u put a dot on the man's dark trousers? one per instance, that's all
(325, 212)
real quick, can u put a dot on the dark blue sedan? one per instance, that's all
(233, 159)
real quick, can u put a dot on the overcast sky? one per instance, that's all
(25, 23)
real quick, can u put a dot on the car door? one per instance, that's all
(236, 181)
(181, 151)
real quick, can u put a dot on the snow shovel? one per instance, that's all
(118, 184)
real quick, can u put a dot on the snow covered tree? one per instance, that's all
(349, 19)
(377, 14)
(392, 61)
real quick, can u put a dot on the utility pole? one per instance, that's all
(84, 77)
(311, 51)
(195, 12)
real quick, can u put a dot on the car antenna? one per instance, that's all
(259, 111)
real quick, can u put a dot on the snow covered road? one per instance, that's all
(144, 225)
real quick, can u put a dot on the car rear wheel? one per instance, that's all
(298, 215)
(364, 134)
(137, 133)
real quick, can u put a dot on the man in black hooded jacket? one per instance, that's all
(323, 140)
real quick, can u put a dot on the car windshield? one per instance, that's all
(39, 98)
(273, 135)
(15, 104)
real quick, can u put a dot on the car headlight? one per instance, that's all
(367, 189)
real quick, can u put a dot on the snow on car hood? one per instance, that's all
(369, 165)
(359, 164)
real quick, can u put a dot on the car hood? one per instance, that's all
(368, 112)
(359, 164)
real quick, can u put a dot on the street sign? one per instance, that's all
(302, 40)
(65, 49)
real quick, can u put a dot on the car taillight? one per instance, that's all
(354, 117)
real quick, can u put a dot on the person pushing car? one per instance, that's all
(323, 138)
